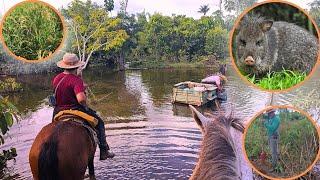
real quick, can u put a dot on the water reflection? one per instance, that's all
(151, 137)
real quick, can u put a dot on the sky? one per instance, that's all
(166, 7)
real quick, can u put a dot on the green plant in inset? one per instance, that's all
(32, 30)
(7, 116)
(278, 80)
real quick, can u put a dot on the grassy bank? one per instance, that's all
(278, 80)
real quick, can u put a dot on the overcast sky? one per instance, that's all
(166, 7)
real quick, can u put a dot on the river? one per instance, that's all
(151, 137)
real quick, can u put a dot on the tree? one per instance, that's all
(93, 29)
(123, 7)
(109, 5)
(238, 5)
(218, 18)
(216, 42)
(204, 9)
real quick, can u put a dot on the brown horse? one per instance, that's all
(218, 158)
(62, 151)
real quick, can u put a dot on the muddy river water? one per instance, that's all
(152, 138)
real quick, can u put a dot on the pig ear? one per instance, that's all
(200, 119)
(266, 25)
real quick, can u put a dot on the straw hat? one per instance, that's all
(70, 61)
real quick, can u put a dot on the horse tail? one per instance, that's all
(48, 158)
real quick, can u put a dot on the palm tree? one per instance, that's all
(204, 9)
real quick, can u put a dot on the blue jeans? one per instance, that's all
(101, 130)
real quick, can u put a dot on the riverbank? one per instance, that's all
(204, 62)
(15, 67)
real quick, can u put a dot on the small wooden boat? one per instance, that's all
(194, 93)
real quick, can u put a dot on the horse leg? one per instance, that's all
(91, 169)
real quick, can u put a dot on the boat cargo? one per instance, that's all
(194, 93)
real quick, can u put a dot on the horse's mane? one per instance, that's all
(217, 158)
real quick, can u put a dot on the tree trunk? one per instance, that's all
(121, 61)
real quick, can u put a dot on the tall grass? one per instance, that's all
(32, 30)
(298, 145)
(278, 80)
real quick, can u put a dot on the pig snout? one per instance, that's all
(249, 61)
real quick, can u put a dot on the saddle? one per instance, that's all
(85, 120)
(67, 114)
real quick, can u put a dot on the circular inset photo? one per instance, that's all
(281, 142)
(32, 31)
(274, 45)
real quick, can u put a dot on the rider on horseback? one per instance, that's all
(70, 94)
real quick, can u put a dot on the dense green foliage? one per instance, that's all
(217, 42)
(9, 85)
(157, 40)
(298, 145)
(7, 116)
(278, 80)
(160, 38)
(32, 30)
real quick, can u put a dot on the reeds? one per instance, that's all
(32, 30)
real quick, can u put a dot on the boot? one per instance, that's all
(105, 154)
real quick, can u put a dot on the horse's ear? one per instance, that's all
(200, 119)
(235, 122)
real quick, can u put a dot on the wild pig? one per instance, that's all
(264, 46)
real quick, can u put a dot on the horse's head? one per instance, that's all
(218, 155)
(220, 121)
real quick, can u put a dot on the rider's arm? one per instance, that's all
(79, 90)
(82, 98)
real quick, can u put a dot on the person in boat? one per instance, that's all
(217, 79)
(272, 123)
(70, 94)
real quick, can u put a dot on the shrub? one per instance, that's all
(7, 116)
